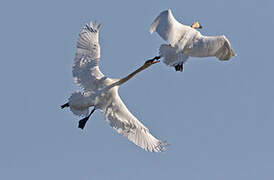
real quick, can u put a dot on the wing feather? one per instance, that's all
(120, 118)
(85, 68)
(218, 46)
(169, 28)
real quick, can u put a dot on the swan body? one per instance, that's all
(101, 92)
(185, 41)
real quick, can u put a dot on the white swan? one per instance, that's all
(185, 41)
(101, 92)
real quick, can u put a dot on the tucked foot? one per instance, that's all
(65, 105)
(179, 67)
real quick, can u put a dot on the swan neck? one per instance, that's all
(125, 79)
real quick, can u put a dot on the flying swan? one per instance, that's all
(101, 92)
(185, 41)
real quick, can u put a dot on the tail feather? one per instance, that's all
(79, 104)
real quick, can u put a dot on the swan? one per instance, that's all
(101, 92)
(185, 41)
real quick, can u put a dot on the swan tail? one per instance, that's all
(79, 104)
(171, 56)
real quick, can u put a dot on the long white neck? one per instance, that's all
(125, 79)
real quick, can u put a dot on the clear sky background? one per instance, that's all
(218, 117)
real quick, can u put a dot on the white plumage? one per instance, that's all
(185, 41)
(102, 92)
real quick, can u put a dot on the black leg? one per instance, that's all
(182, 67)
(83, 121)
(176, 68)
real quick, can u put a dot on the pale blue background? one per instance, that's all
(216, 116)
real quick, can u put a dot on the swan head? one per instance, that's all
(151, 61)
(196, 25)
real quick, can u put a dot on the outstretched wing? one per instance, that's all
(85, 68)
(218, 46)
(120, 118)
(169, 28)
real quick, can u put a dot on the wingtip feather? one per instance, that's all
(93, 27)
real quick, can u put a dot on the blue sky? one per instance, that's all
(216, 116)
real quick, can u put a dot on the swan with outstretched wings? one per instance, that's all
(185, 41)
(101, 92)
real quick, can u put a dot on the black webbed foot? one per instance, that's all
(83, 122)
(179, 67)
(65, 105)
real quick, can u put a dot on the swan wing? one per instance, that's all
(218, 46)
(120, 118)
(169, 28)
(85, 68)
